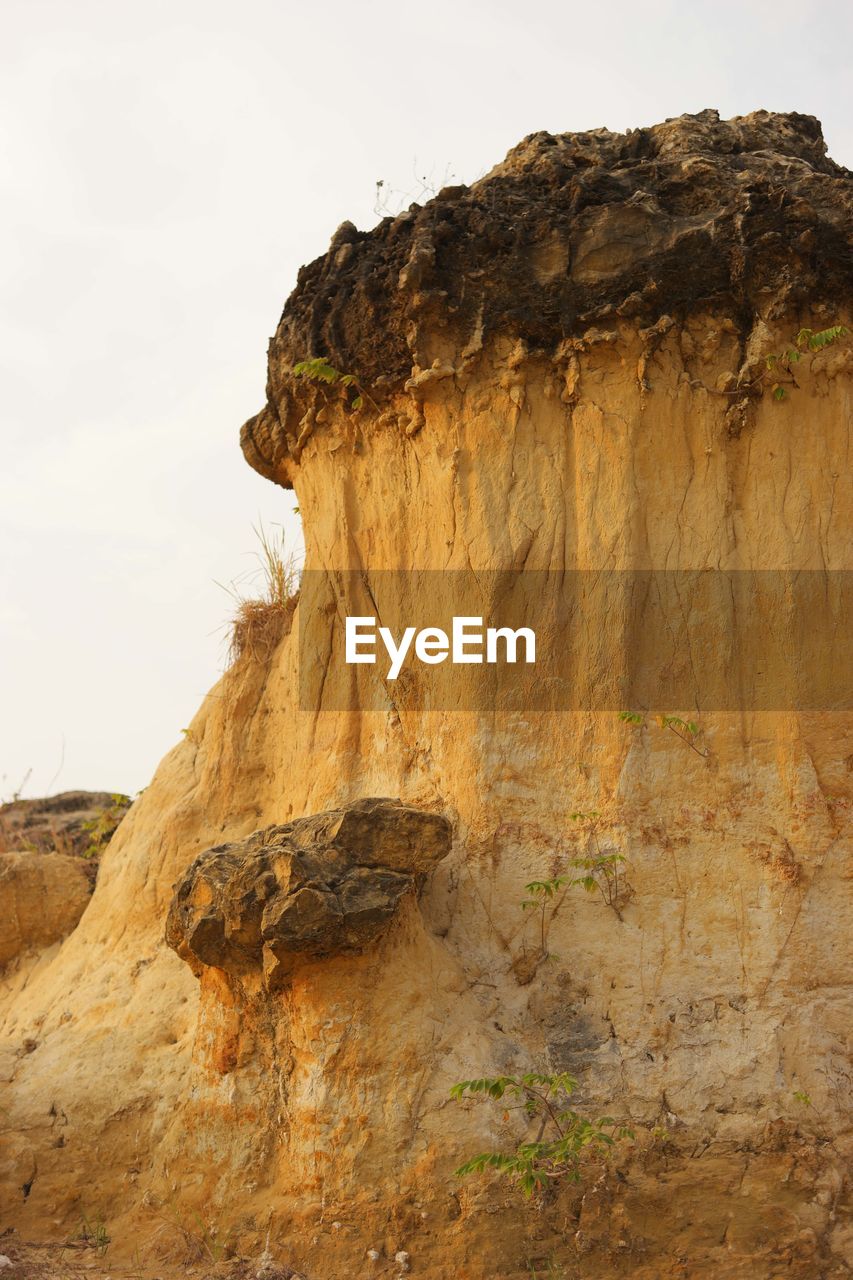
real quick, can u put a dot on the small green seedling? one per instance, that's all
(806, 343)
(319, 370)
(103, 826)
(93, 1233)
(687, 730)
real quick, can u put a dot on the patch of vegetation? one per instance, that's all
(262, 616)
(390, 201)
(102, 827)
(600, 869)
(687, 730)
(93, 1233)
(564, 1136)
(201, 1241)
(780, 364)
(545, 897)
(553, 1270)
(319, 370)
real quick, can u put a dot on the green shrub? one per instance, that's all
(564, 1134)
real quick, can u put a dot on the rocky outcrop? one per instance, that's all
(49, 850)
(314, 888)
(711, 1010)
(72, 822)
(742, 218)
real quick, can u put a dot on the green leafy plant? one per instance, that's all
(780, 365)
(319, 370)
(102, 827)
(545, 897)
(687, 730)
(563, 1134)
(600, 868)
(601, 872)
(813, 1114)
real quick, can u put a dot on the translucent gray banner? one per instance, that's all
(605, 640)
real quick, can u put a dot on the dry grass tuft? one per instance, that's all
(263, 617)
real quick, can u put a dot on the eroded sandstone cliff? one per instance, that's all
(49, 852)
(563, 368)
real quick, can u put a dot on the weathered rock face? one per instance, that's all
(314, 888)
(49, 852)
(713, 1011)
(71, 822)
(737, 218)
(42, 897)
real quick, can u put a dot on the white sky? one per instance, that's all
(165, 169)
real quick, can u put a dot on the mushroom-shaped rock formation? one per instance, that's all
(306, 890)
(564, 370)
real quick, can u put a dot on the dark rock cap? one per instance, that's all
(574, 228)
(745, 217)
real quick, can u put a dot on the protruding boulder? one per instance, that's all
(312, 888)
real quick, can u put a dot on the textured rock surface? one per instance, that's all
(42, 896)
(742, 218)
(62, 823)
(310, 889)
(48, 862)
(319, 1113)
